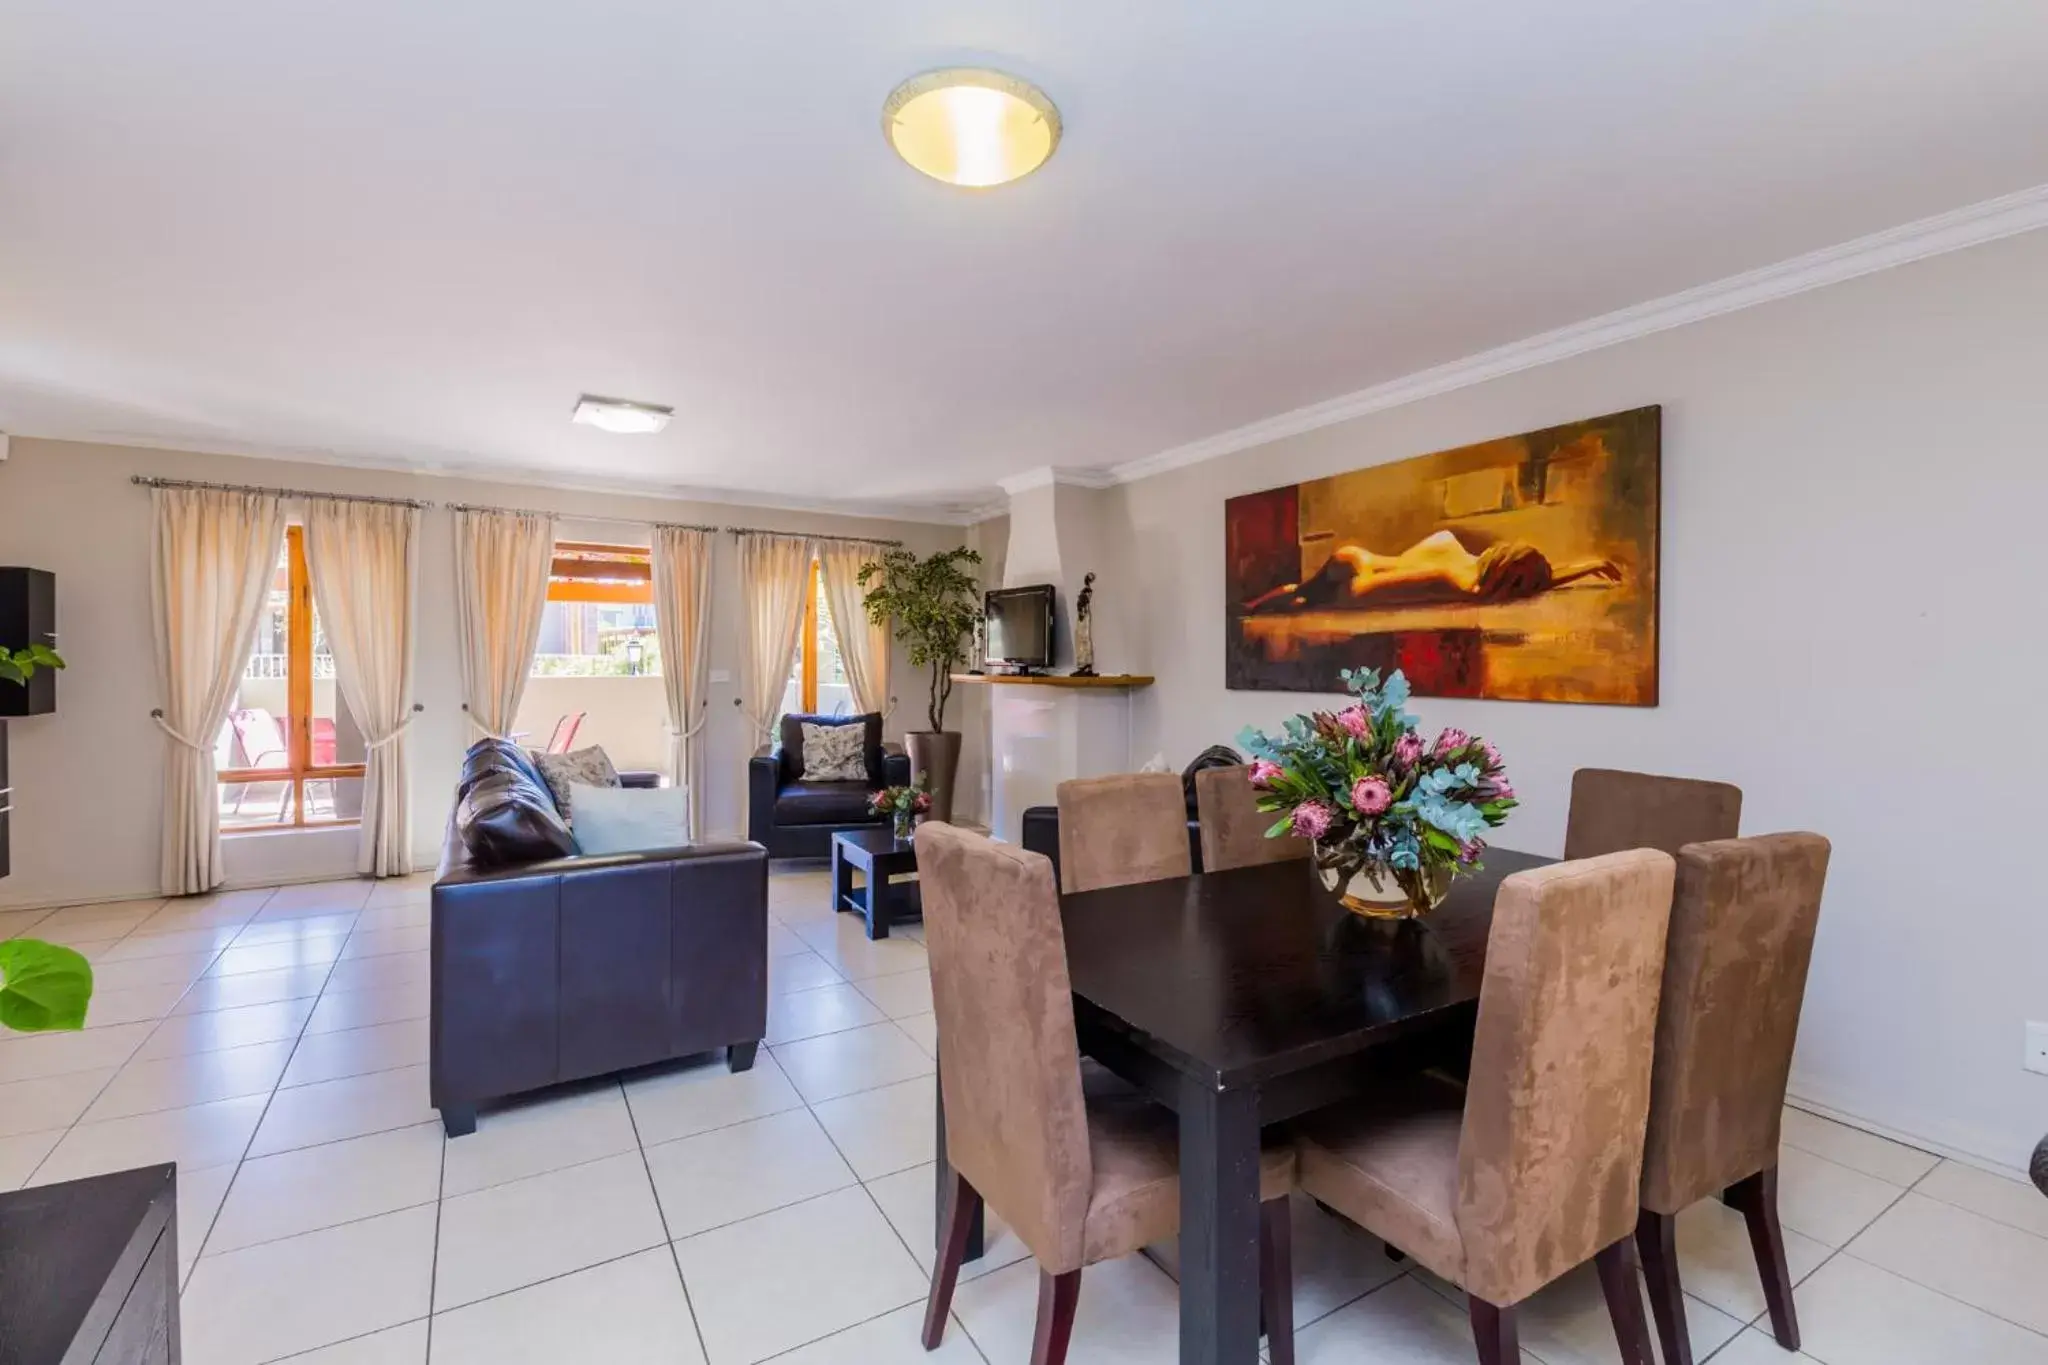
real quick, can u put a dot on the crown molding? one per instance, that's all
(426, 467)
(1993, 219)
(1073, 476)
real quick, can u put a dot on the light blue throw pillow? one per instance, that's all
(629, 819)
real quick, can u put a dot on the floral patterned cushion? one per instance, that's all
(592, 767)
(835, 753)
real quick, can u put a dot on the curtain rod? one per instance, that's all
(578, 516)
(151, 481)
(809, 535)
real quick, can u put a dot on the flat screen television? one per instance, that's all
(1020, 627)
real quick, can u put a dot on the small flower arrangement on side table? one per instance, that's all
(902, 805)
(1391, 819)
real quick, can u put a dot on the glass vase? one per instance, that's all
(1376, 891)
(904, 823)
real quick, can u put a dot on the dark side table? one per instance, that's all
(89, 1271)
(879, 858)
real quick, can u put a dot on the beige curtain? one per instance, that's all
(501, 586)
(682, 620)
(212, 556)
(863, 648)
(774, 571)
(364, 560)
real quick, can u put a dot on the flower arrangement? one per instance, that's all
(1377, 803)
(902, 805)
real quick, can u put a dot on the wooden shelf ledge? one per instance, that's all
(1105, 680)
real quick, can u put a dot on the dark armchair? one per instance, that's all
(792, 818)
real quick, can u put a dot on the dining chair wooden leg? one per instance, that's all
(1657, 1243)
(1276, 1280)
(1057, 1295)
(1493, 1328)
(1617, 1266)
(962, 1206)
(1757, 1198)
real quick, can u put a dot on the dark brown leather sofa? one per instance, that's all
(792, 818)
(548, 966)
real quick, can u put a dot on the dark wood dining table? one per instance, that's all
(1242, 999)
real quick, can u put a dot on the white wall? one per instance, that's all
(626, 717)
(1853, 630)
(89, 779)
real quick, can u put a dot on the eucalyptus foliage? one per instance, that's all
(934, 603)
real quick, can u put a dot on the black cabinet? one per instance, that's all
(89, 1271)
(28, 616)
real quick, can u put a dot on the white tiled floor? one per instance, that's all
(274, 1045)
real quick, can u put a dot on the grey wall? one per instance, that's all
(1854, 481)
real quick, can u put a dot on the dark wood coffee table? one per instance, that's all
(880, 858)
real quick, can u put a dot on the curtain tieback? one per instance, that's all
(396, 732)
(486, 731)
(165, 726)
(691, 733)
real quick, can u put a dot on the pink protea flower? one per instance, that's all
(1503, 790)
(1371, 796)
(1312, 819)
(1493, 758)
(1356, 722)
(1408, 749)
(1452, 739)
(1469, 854)
(1264, 771)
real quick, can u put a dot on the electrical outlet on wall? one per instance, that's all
(2037, 1046)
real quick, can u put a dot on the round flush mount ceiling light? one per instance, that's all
(971, 127)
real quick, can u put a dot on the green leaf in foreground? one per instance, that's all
(42, 986)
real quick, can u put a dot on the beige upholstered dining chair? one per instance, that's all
(1131, 827)
(1613, 810)
(1742, 924)
(1233, 827)
(1532, 1167)
(1078, 1179)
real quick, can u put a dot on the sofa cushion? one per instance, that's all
(834, 753)
(590, 767)
(506, 816)
(823, 803)
(630, 820)
(790, 753)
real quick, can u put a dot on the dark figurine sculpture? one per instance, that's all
(1084, 629)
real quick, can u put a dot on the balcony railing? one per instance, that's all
(277, 667)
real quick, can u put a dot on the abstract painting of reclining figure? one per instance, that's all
(1521, 569)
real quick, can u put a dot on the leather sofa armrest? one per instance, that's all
(763, 780)
(639, 778)
(895, 768)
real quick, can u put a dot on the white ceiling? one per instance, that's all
(396, 230)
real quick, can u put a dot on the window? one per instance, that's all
(817, 675)
(289, 754)
(599, 620)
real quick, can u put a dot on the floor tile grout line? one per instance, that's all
(1943, 1293)
(434, 1258)
(119, 1066)
(269, 1100)
(661, 1212)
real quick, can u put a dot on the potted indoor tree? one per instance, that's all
(934, 603)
